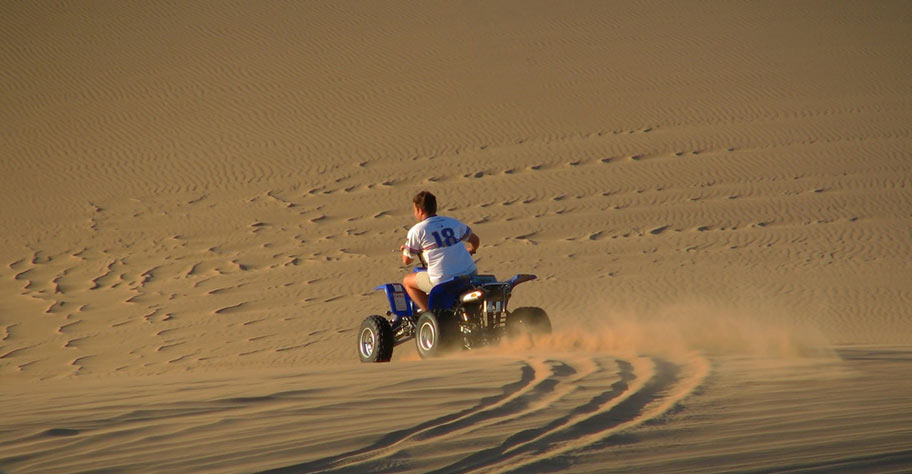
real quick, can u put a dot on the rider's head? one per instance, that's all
(426, 201)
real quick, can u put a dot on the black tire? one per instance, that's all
(375, 340)
(437, 334)
(529, 320)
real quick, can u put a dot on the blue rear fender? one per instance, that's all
(521, 278)
(446, 294)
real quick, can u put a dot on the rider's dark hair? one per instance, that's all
(426, 201)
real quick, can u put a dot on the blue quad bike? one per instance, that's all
(463, 313)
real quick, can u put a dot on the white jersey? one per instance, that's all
(439, 240)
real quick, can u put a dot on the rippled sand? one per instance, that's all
(198, 199)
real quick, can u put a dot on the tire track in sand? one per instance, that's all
(538, 395)
(668, 385)
(560, 404)
(532, 378)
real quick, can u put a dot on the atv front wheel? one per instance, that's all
(375, 340)
(528, 319)
(436, 334)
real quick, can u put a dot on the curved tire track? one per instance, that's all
(531, 379)
(572, 401)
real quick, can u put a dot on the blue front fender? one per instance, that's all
(400, 302)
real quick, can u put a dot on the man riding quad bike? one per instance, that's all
(447, 305)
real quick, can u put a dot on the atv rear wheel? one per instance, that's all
(437, 333)
(375, 340)
(528, 319)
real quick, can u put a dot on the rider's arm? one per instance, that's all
(473, 243)
(406, 257)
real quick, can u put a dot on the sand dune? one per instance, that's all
(198, 199)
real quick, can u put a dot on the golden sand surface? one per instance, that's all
(199, 198)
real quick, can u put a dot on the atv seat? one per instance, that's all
(483, 279)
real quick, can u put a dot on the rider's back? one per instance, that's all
(439, 240)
